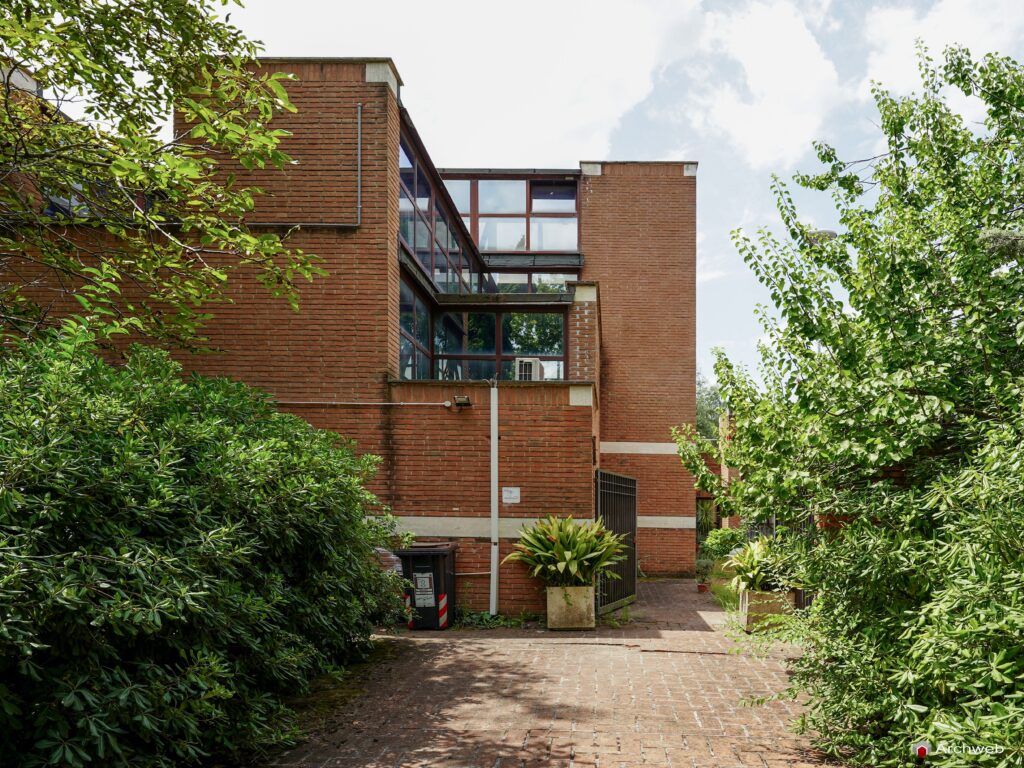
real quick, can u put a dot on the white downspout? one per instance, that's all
(493, 609)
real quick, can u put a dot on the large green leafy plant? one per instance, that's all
(568, 553)
(175, 558)
(891, 414)
(103, 210)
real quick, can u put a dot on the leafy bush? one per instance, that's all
(702, 569)
(567, 553)
(175, 556)
(886, 432)
(721, 541)
(760, 566)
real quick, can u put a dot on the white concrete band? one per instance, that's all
(590, 169)
(661, 449)
(453, 526)
(381, 72)
(584, 293)
(581, 394)
(666, 521)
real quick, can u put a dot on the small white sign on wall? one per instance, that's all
(510, 495)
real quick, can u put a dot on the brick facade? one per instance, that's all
(630, 357)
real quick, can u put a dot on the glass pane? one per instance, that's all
(548, 282)
(462, 368)
(501, 196)
(459, 191)
(449, 336)
(423, 191)
(441, 229)
(406, 316)
(422, 323)
(553, 234)
(406, 363)
(422, 366)
(512, 282)
(553, 197)
(406, 218)
(441, 272)
(423, 241)
(502, 234)
(406, 170)
(553, 370)
(481, 333)
(531, 333)
(488, 285)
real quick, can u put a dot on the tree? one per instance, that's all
(176, 559)
(709, 407)
(892, 414)
(140, 230)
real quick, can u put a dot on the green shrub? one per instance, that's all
(567, 553)
(760, 566)
(721, 541)
(702, 569)
(175, 556)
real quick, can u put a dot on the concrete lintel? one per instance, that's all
(666, 521)
(584, 293)
(689, 169)
(382, 72)
(590, 169)
(453, 526)
(581, 394)
(662, 449)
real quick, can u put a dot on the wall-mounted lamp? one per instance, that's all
(461, 401)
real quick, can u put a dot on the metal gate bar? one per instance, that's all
(616, 507)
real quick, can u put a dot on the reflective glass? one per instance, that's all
(405, 166)
(449, 335)
(553, 234)
(502, 234)
(442, 272)
(554, 370)
(552, 197)
(422, 323)
(457, 369)
(512, 282)
(422, 366)
(406, 218)
(549, 282)
(503, 196)
(406, 361)
(406, 316)
(459, 191)
(532, 333)
(423, 191)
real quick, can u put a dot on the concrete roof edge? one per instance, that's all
(334, 60)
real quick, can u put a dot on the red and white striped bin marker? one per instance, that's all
(408, 609)
(442, 611)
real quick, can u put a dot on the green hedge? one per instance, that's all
(175, 556)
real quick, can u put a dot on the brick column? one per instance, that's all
(584, 334)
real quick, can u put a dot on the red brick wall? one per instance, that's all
(584, 340)
(638, 223)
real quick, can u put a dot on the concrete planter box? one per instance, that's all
(756, 606)
(571, 608)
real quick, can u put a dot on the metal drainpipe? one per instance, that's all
(493, 608)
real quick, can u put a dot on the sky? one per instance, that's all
(743, 87)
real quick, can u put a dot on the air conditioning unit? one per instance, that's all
(529, 369)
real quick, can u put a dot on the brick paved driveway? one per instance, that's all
(663, 690)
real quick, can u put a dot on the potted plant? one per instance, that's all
(568, 555)
(760, 583)
(702, 570)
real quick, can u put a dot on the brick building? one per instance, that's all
(565, 296)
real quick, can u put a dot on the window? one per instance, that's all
(504, 196)
(551, 234)
(425, 227)
(480, 345)
(502, 234)
(512, 282)
(508, 215)
(552, 197)
(550, 282)
(459, 189)
(414, 335)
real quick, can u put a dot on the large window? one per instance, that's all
(513, 215)
(414, 358)
(485, 345)
(426, 231)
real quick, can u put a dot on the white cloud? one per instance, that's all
(891, 32)
(789, 86)
(529, 84)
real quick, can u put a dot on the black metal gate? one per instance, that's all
(616, 507)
